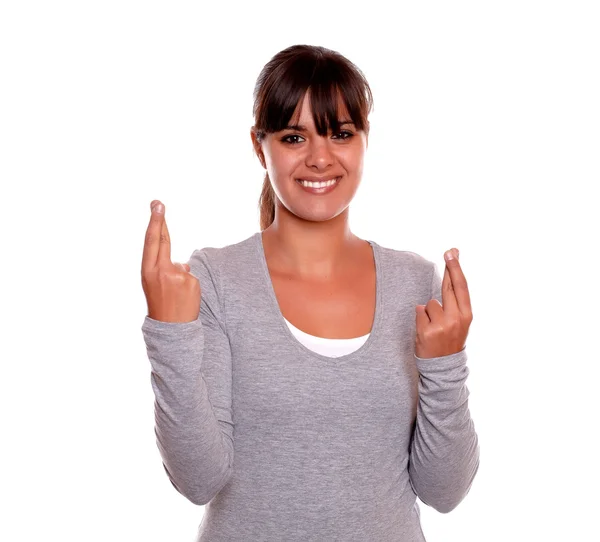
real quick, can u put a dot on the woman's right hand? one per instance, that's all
(172, 292)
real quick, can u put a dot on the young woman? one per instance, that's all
(309, 384)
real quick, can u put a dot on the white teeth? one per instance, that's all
(319, 184)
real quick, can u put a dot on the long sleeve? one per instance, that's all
(191, 379)
(444, 450)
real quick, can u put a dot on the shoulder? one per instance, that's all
(406, 275)
(215, 258)
(216, 264)
(405, 261)
(214, 268)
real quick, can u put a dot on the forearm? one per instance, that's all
(444, 452)
(197, 454)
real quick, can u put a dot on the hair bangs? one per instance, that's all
(335, 95)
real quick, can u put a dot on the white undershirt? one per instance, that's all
(327, 347)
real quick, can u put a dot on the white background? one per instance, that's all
(485, 137)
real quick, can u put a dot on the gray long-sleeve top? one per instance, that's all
(284, 444)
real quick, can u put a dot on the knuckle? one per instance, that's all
(150, 237)
(166, 273)
(148, 278)
(147, 272)
(428, 333)
(453, 325)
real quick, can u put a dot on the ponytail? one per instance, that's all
(266, 204)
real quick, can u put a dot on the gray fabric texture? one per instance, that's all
(281, 443)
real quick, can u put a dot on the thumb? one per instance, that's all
(422, 318)
(183, 266)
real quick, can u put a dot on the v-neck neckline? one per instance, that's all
(291, 338)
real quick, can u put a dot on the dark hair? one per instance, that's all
(284, 81)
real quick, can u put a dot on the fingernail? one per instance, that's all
(456, 252)
(449, 255)
(159, 208)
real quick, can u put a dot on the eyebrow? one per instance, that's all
(301, 128)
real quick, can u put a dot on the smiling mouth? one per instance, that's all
(319, 184)
(320, 189)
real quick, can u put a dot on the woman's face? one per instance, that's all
(293, 154)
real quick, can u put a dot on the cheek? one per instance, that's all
(351, 161)
(283, 165)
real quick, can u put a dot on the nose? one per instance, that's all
(319, 153)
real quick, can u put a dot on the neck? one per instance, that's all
(315, 250)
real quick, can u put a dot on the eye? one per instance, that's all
(286, 138)
(346, 133)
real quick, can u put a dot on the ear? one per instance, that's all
(257, 147)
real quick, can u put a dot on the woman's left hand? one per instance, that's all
(442, 329)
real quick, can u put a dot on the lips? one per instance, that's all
(317, 179)
(319, 191)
